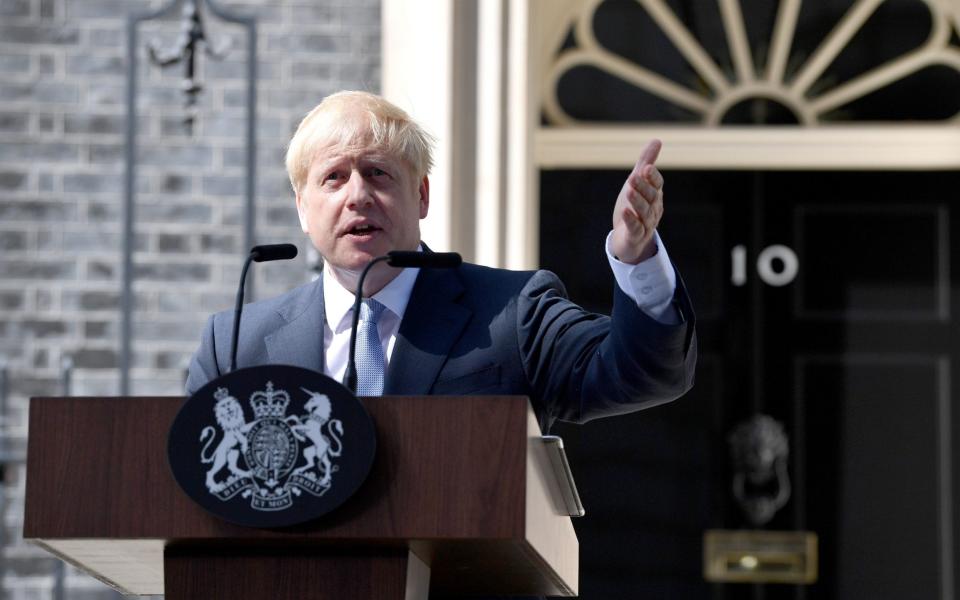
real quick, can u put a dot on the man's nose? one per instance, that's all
(358, 192)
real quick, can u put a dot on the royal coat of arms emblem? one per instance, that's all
(260, 456)
(281, 442)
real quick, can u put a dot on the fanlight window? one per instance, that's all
(757, 62)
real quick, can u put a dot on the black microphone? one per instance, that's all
(268, 252)
(264, 253)
(400, 259)
(423, 260)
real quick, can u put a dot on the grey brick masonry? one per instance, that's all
(62, 119)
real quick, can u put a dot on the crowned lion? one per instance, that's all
(229, 416)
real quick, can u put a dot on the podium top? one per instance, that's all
(464, 481)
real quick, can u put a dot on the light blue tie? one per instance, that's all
(371, 363)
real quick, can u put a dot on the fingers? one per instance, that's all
(648, 186)
(653, 175)
(639, 207)
(634, 227)
(643, 191)
(645, 169)
(647, 211)
(648, 156)
(650, 152)
(635, 224)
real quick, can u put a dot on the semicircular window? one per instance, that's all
(756, 62)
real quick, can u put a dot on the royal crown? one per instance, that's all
(269, 403)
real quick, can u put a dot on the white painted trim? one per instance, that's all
(523, 209)
(684, 41)
(417, 75)
(737, 39)
(491, 131)
(834, 43)
(784, 29)
(901, 147)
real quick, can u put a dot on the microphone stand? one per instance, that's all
(399, 259)
(262, 253)
(350, 375)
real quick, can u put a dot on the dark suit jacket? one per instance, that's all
(477, 330)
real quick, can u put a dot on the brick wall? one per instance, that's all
(62, 69)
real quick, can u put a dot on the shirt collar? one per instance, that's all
(338, 301)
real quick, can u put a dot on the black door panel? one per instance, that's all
(855, 356)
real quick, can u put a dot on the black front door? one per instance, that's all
(825, 300)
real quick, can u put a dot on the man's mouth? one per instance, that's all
(363, 230)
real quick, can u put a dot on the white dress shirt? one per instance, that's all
(651, 284)
(338, 305)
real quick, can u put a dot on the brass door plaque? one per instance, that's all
(745, 556)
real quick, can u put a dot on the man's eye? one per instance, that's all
(377, 172)
(331, 177)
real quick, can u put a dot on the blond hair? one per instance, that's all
(357, 120)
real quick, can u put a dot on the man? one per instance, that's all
(358, 166)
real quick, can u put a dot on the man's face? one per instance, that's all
(358, 204)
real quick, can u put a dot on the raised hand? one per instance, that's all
(638, 209)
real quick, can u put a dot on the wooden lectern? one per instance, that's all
(462, 499)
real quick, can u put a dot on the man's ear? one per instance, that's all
(302, 213)
(424, 196)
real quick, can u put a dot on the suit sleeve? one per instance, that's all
(203, 365)
(582, 365)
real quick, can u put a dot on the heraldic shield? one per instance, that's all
(271, 446)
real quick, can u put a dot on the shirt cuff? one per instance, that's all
(650, 283)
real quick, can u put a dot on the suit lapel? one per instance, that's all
(300, 341)
(431, 324)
